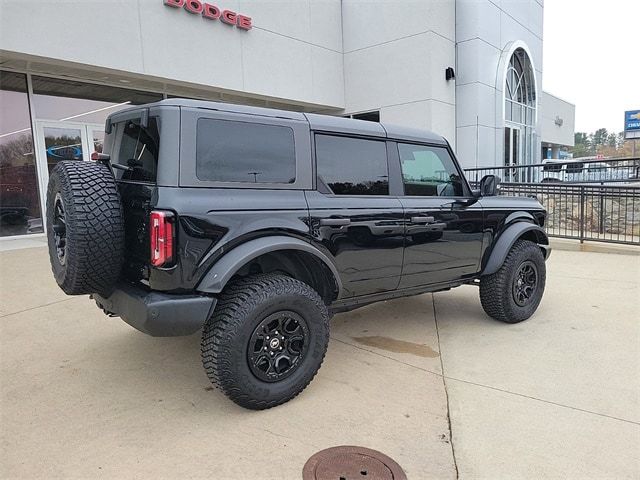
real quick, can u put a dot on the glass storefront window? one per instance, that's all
(69, 121)
(70, 115)
(520, 107)
(62, 144)
(67, 100)
(19, 194)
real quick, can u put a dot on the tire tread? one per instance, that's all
(95, 226)
(239, 298)
(495, 289)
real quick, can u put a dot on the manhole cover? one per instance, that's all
(351, 463)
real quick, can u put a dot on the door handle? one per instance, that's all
(334, 222)
(423, 220)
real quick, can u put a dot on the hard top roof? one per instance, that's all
(317, 122)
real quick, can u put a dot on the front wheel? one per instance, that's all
(513, 293)
(266, 340)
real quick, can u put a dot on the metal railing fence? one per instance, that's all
(586, 212)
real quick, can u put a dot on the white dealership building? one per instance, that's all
(470, 70)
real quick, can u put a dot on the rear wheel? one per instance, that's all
(513, 293)
(85, 229)
(266, 340)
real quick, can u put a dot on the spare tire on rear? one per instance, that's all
(85, 227)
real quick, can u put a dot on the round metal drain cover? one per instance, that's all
(351, 463)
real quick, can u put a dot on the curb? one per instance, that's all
(571, 245)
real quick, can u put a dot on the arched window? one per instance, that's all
(519, 112)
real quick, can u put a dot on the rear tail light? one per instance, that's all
(162, 238)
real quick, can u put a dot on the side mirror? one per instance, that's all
(489, 186)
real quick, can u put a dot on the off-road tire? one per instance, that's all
(94, 227)
(496, 290)
(244, 303)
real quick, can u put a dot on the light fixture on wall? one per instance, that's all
(449, 73)
(559, 121)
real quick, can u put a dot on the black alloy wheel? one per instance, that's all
(59, 229)
(525, 283)
(277, 346)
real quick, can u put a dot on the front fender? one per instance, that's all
(505, 241)
(227, 266)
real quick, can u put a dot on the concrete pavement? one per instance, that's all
(557, 396)
(84, 396)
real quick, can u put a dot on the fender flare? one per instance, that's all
(505, 241)
(227, 266)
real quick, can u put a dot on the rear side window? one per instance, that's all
(138, 150)
(229, 151)
(352, 166)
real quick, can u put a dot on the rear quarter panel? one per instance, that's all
(214, 221)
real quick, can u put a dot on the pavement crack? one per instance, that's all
(275, 434)
(481, 385)
(36, 307)
(446, 393)
(550, 402)
(286, 437)
(591, 279)
(385, 356)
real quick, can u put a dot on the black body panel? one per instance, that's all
(369, 247)
(136, 205)
(444, 240)
(214, 221)
(365, 236)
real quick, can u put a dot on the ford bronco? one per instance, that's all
(256, 225)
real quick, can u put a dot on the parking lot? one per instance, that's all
(558, 396)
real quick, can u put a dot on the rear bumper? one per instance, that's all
(157, 314)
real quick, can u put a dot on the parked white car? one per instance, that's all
(580, 171)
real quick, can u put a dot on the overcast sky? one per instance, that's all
(591, 58)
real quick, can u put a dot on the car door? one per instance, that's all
(352, 215)
(444, 224)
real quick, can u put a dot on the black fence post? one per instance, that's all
(582, 219)
(601, 214)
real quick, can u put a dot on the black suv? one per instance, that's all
(256, 225)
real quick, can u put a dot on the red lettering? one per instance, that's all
(229, 17)
(244, 22)
(193, 6)
(211, 12)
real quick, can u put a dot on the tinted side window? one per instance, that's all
(574, 167)
(138, 150)
(352, 166)
(429, 171)
(552, 167)
(229, 151)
